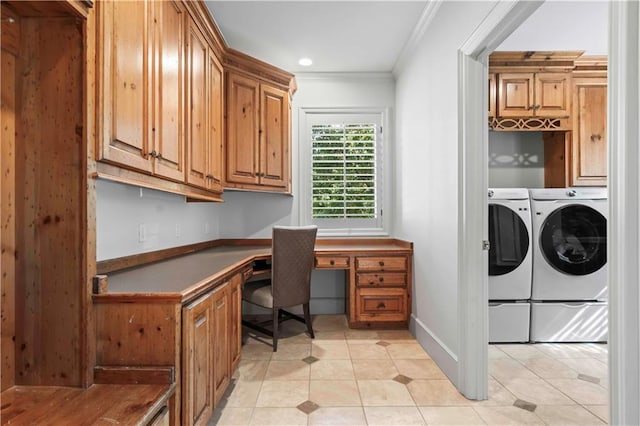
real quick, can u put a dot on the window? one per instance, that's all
(342, 166)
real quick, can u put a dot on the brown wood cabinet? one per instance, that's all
(211, 347)
(258, 135)
(381, 289)
(141, 83)
(221, 341)
(198, 331)
(235, 319)
(204, 140)
(589, 136)
(543, 94)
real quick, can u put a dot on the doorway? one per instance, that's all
(623, 74)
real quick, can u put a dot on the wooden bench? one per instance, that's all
(97, 405)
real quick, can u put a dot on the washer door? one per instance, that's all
(573, 239)
(508, 238)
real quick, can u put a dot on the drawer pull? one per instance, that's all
(332, 262)
(381, 263)
(381, 279)
(381, 305)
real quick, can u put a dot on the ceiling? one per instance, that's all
(339, 36)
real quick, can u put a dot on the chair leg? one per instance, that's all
(307, 319)
(276, 312)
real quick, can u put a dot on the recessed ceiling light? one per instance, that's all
(305, 62)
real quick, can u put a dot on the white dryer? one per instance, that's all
(569, 288)
(510, 264)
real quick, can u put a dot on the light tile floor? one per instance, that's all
(363, 377)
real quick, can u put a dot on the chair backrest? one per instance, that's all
(291, 264)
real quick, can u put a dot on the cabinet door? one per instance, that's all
(552, 95)
(274, 137)
(221, 365)
(235, 338)
(589, 142)
(216, 119)
(124, 83)
(515, 95)
(167, 130)
(198, 123)
(197, 365)
(242, 130)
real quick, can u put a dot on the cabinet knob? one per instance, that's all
(381, 305)
(381, 263)
(209, 176)
(381, 279)
(332, 262)
(159, 156)
(153, 154)
(133, 86)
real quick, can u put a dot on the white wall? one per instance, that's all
(516, 160)
(426, 187)
(122, 208)
(563, 25)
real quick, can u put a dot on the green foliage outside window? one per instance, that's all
(344, 171)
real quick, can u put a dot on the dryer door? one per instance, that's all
(573, 239)
(509, 240)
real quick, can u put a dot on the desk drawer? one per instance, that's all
(382, 305)
(397, 263)
(382, 279)
(332, 262)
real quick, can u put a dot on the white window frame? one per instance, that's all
(347, 227)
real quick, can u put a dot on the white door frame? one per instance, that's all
(624, 212)
(473, 135)
(624, 201)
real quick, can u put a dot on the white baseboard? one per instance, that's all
(437, 350)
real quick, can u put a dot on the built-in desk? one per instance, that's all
(181, 308)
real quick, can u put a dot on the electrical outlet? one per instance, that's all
(178, 230)
(142, 233)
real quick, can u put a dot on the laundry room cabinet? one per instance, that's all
(544, 94)
(589, 138)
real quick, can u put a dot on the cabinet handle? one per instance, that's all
(381, 263)
(595, 138)
(159, 156)
(381, 305)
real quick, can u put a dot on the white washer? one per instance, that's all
(569, 288)
(510, 264)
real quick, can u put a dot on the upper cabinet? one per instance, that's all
(167, 132)
(258, 142)
(161, 70)
(142, 86)
(534, 94)
(589, 141)
(124, 83)
(204, 141)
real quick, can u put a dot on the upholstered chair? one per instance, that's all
(290, 283)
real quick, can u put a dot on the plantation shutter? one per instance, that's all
(345, 170)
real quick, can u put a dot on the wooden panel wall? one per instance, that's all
(51, 209)
(7, 216)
